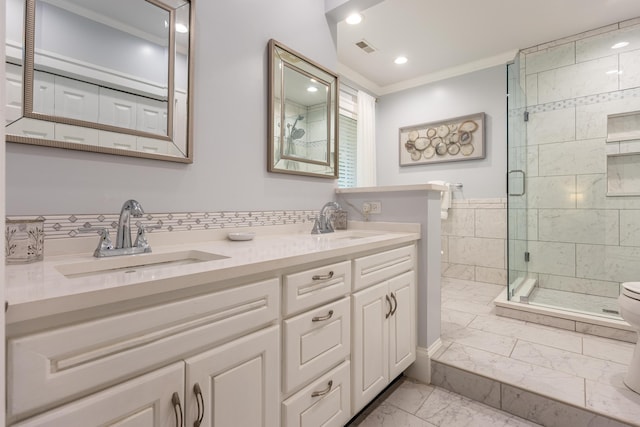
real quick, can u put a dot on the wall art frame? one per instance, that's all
(450, 140)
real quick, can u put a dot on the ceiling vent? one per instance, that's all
(364, 45)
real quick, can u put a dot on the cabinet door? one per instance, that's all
(370, 349)
(238, 383)
(141, 402)
(75, 99)
(152, 116)
(117, 108)
(402, 323)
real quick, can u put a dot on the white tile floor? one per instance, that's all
(582, 370)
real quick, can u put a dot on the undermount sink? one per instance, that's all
(348, 235)
(135, 263)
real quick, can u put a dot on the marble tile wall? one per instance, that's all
(474, 241)
(579, 239)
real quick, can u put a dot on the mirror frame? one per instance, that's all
(274, 94)
(28, 87)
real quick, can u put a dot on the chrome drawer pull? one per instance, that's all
(323, 392)
(177, 408)
(325, 277)
(386, 316)
(393, 297)
(323, 318)
(198, 392)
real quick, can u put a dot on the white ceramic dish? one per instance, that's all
(241, 236)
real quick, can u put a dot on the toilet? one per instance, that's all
(629, 302)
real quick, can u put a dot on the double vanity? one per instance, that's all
(287, 329)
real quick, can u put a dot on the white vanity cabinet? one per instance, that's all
(384, 322)
(59, 365)
(289, 346)
(235, 384)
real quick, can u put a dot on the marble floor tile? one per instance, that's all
(550, 413)
(482, 340)
(620, 403)
(446, 409)
(453, 320)
(592, 368)
(476, 387)
(466, 306)
(410, 395)
(476, 288)
(528, 332)
(562, 386)
(607, 349)
(387, 415)
(465, 295)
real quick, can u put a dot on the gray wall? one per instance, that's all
(480, 91)
(229, 171)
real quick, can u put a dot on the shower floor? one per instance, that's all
(581, 303)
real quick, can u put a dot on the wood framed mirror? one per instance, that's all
(110, 77)
(303, 115)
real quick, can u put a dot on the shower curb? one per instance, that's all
(517, 400)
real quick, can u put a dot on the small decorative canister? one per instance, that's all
(24, 240)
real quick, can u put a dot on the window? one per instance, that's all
(348, 129)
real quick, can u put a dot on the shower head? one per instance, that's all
(297, 133)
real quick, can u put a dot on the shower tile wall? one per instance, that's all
(580, 240)
(474, 241)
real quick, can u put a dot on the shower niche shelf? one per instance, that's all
(623, 127)
(623, 174)
(623, 154)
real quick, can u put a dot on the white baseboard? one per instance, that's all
(420, 370)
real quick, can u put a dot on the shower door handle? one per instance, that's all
(519, 171)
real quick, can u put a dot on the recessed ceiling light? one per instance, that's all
(181, 28)
(614, 72)
(312, 89)
(619, 45)
(401, 60)
(354, 19)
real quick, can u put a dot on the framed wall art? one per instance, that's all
(459, 138)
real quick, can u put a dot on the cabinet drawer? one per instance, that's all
(376, 268)
(315, 341)
(314, 287)
(330, 408)
(51, 367)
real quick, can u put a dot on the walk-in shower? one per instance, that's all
(574, 171)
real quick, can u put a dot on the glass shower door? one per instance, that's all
(517, 217)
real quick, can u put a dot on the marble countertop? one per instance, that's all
(41, 289)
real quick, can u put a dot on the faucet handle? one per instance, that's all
(105, 243)
(141, 238)
(316, 226)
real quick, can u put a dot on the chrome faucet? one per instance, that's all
(123, 244)
(323, 223)
(130, 208)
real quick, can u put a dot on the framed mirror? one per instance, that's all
(111, 77)
(303, 115)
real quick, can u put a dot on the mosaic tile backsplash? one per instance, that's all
(66, 226)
